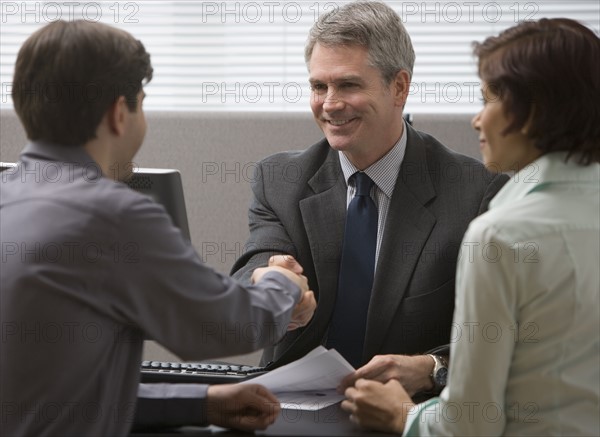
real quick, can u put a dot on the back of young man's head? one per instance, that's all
(68, 74)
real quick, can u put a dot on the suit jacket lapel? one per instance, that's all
(324, 215)
(407, 228)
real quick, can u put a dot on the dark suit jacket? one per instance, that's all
(299, 208)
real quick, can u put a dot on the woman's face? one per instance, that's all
(501, 153)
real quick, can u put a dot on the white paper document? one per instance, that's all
(308, 383)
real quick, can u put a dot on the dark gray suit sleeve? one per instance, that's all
(170, 405)
(267, 234)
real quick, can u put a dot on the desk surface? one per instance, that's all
(330, 421)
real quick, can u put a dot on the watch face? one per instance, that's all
(441, 377)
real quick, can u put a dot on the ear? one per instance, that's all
(400, 86)
(527, 126)
(116, 116)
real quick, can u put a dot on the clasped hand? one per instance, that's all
(288, 266)
(378, 395)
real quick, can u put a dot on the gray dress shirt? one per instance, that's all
(91, 268)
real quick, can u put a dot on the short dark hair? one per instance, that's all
(68, 74)
(547, 73)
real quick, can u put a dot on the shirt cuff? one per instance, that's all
(288, 286)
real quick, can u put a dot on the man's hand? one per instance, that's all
(303, 311)
(287, 265)
(299, 280)
(246, 407)
(411, 371)
(373, 405)
(287, 262)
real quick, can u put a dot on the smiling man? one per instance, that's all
(375, 218)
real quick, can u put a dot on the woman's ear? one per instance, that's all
(527, 126)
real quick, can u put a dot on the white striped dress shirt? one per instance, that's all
(384, 173)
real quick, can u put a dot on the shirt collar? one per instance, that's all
(385, 171)
(69, 155)
(550, 168)
(56, 152)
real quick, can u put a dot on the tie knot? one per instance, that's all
(363, 184)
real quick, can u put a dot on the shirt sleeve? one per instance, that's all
(159, 285)
(482, 343)
(171, 405)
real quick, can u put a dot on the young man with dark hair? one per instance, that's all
(99, 268)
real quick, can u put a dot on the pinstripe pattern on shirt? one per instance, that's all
(384, 173)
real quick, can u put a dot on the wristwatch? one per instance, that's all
(439, 375)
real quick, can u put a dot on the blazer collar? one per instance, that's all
(415, 172)
(408, 226)
(329, 173)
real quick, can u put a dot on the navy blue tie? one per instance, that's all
(349, 322)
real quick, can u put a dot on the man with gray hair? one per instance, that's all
(375, 220)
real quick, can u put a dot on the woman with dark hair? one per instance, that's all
(526, 352)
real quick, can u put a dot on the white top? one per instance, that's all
(525, 352)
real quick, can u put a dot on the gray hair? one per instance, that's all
(373, 25)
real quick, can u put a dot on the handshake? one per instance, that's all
(288, 266)
(249, 407)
